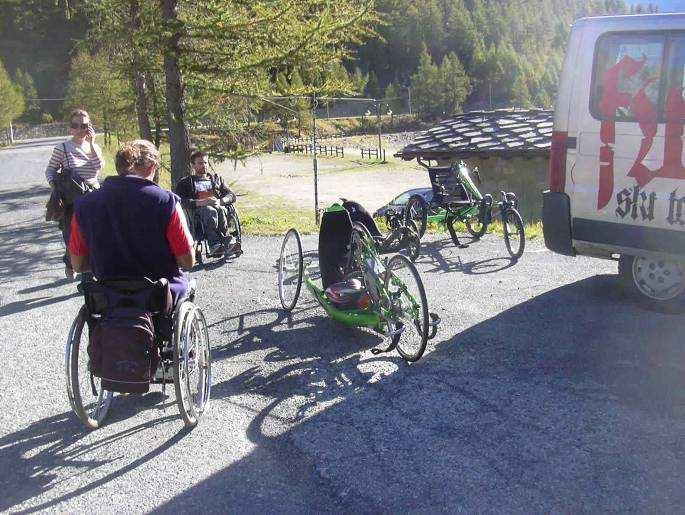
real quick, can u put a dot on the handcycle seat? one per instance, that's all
(448, 188)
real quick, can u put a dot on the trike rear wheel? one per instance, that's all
(408, 305)
(290, 270)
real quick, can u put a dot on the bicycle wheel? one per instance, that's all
(290, 270)
(514, 235)
(192, 363)
(417, 211)
(86, 397)
(413, 248)
(408, 306)
(476, 227)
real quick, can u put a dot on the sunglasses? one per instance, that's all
(81, 126)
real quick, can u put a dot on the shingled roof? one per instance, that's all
(501, 133)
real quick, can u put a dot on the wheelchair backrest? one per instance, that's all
(447, 186)
(334, 240)
(144, 294)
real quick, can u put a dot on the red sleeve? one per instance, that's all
(77, 243)
(177, 233)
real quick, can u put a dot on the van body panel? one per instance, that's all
(621, 103)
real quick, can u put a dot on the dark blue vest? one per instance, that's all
(124, 224)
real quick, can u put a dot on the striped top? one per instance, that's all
(77, 160)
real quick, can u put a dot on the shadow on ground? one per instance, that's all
(527, 411)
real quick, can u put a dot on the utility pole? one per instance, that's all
(378, 120)
(316, 178)
(409, 92)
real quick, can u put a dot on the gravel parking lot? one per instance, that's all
(546, 390)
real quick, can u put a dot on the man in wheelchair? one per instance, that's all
(206, 197)
(142, 325)
(132, 228)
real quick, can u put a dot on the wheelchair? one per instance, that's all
(181, 339)
(231, 236)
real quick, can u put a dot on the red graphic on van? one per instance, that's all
(646, 115)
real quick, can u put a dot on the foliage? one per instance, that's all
(440, 91)
(96, 86)
(11, 99)
(28, 89)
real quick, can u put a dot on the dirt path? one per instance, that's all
(290, 177)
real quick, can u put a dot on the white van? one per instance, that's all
(617, 180)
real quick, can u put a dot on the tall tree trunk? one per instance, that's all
(139, 86)
(179, 140)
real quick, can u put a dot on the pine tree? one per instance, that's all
(11, 99)
(32, 106)
(456, 85)
(373, 89)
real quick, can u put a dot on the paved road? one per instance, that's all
(545, 390)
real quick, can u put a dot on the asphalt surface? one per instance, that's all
(546, 390)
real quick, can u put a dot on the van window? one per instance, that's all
(627, 68)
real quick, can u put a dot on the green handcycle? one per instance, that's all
(456, 198)
(358, 287)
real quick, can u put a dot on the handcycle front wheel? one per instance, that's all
(514, 235)
(86, 396)
(192, 363)
(290, 270)
(413, 241)
(408, 305)
(417, 211)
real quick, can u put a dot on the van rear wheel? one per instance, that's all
(659, 281)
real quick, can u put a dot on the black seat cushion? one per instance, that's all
(361, 215)
(334, 239)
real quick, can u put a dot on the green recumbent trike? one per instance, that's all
(457, 199)
(358, 287)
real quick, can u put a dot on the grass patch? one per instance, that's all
(273, 216)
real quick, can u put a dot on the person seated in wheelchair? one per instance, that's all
(206, 196)
(131, 228)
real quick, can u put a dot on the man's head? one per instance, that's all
(79, 121)
(125, 158)
(146, 159)
(200, 162)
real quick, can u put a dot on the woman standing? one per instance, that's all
(83, 157)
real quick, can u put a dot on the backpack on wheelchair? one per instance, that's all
(135, 337)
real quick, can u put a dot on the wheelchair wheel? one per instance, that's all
(514, 235)
(192, 363)
(86, 397)
(290, 270)
(408, 305)
(234, 228)
(417, 211)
